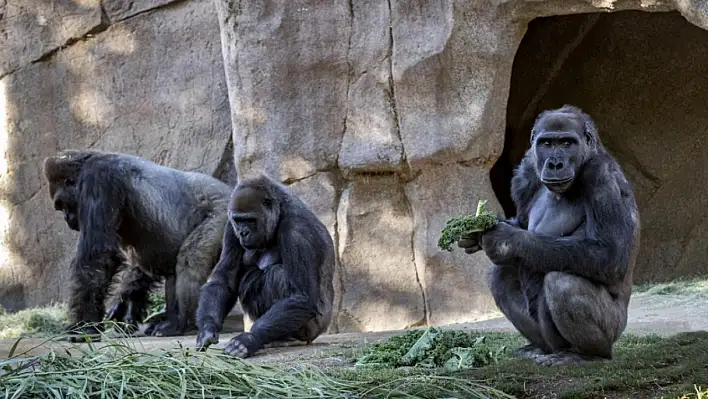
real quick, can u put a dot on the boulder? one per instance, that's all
(31, 30)
(381, 288)
(152, 86)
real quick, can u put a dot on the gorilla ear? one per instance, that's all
(590, 131)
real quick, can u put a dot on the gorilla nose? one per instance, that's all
(555, 164)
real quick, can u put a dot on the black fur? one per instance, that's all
(172, 221)
(563, 265)
(278, 259)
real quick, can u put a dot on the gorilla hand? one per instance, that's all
(208, 335)
(500, 242)
(118, 312)
(470, 242)
(122, 312)
(243, 345)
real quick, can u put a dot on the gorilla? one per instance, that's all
(278, 260)
(171, 221)
(563, 265)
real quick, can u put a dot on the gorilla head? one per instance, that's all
(254, 213)
(62, 172)
(561, 141)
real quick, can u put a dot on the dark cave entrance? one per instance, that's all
(643, 77)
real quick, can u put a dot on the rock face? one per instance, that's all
(399, 111)
(149, 83)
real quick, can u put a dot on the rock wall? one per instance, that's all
(388, 117)
(143, 77)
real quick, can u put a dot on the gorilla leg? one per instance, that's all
(505, 285)
(580, 320)
(132, 298)
(89, 290)
(280, 313)
(198, 254)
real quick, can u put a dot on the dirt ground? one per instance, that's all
(659, 314)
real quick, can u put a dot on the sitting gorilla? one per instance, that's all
(171, 220)
(563, 265)
(278, 259)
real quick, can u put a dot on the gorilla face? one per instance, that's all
(253, 217)
(558, 148)
(64, 194)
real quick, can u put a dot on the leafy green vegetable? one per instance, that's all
(434, 347)
(456, 227)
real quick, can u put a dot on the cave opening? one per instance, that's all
(643, 78)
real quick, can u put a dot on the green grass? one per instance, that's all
(119, 370)
(643, 367)
(688, 286)
(698, 393)
(45, 322)
(35, 322)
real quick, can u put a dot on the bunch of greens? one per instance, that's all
(450, 349)
(456, 227)
(117, 370)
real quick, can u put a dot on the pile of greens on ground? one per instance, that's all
(450, 349)
(117, 370)
(458, 226)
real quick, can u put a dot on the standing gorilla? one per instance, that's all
(278, 259)
(172, 220)
(563, 265)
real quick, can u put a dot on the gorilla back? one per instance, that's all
(563, 265)
(278, 259)
(172, 220)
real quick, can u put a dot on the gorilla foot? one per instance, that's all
(565, 357)
(243, 345)
(164, 329)
(529, 351)
(83, 334)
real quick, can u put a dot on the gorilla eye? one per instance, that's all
(566, 143)
(546, 143)
(69, 182)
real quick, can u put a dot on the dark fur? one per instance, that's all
(172, 222)
(278, 259)
(563, 265)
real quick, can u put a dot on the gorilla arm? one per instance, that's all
(602, 254)
(99, 255)
(220, 293)
(301, 269)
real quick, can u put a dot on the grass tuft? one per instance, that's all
(687, 286)
(35, 322)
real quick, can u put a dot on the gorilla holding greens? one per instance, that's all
(563, 265)
(278, 260)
